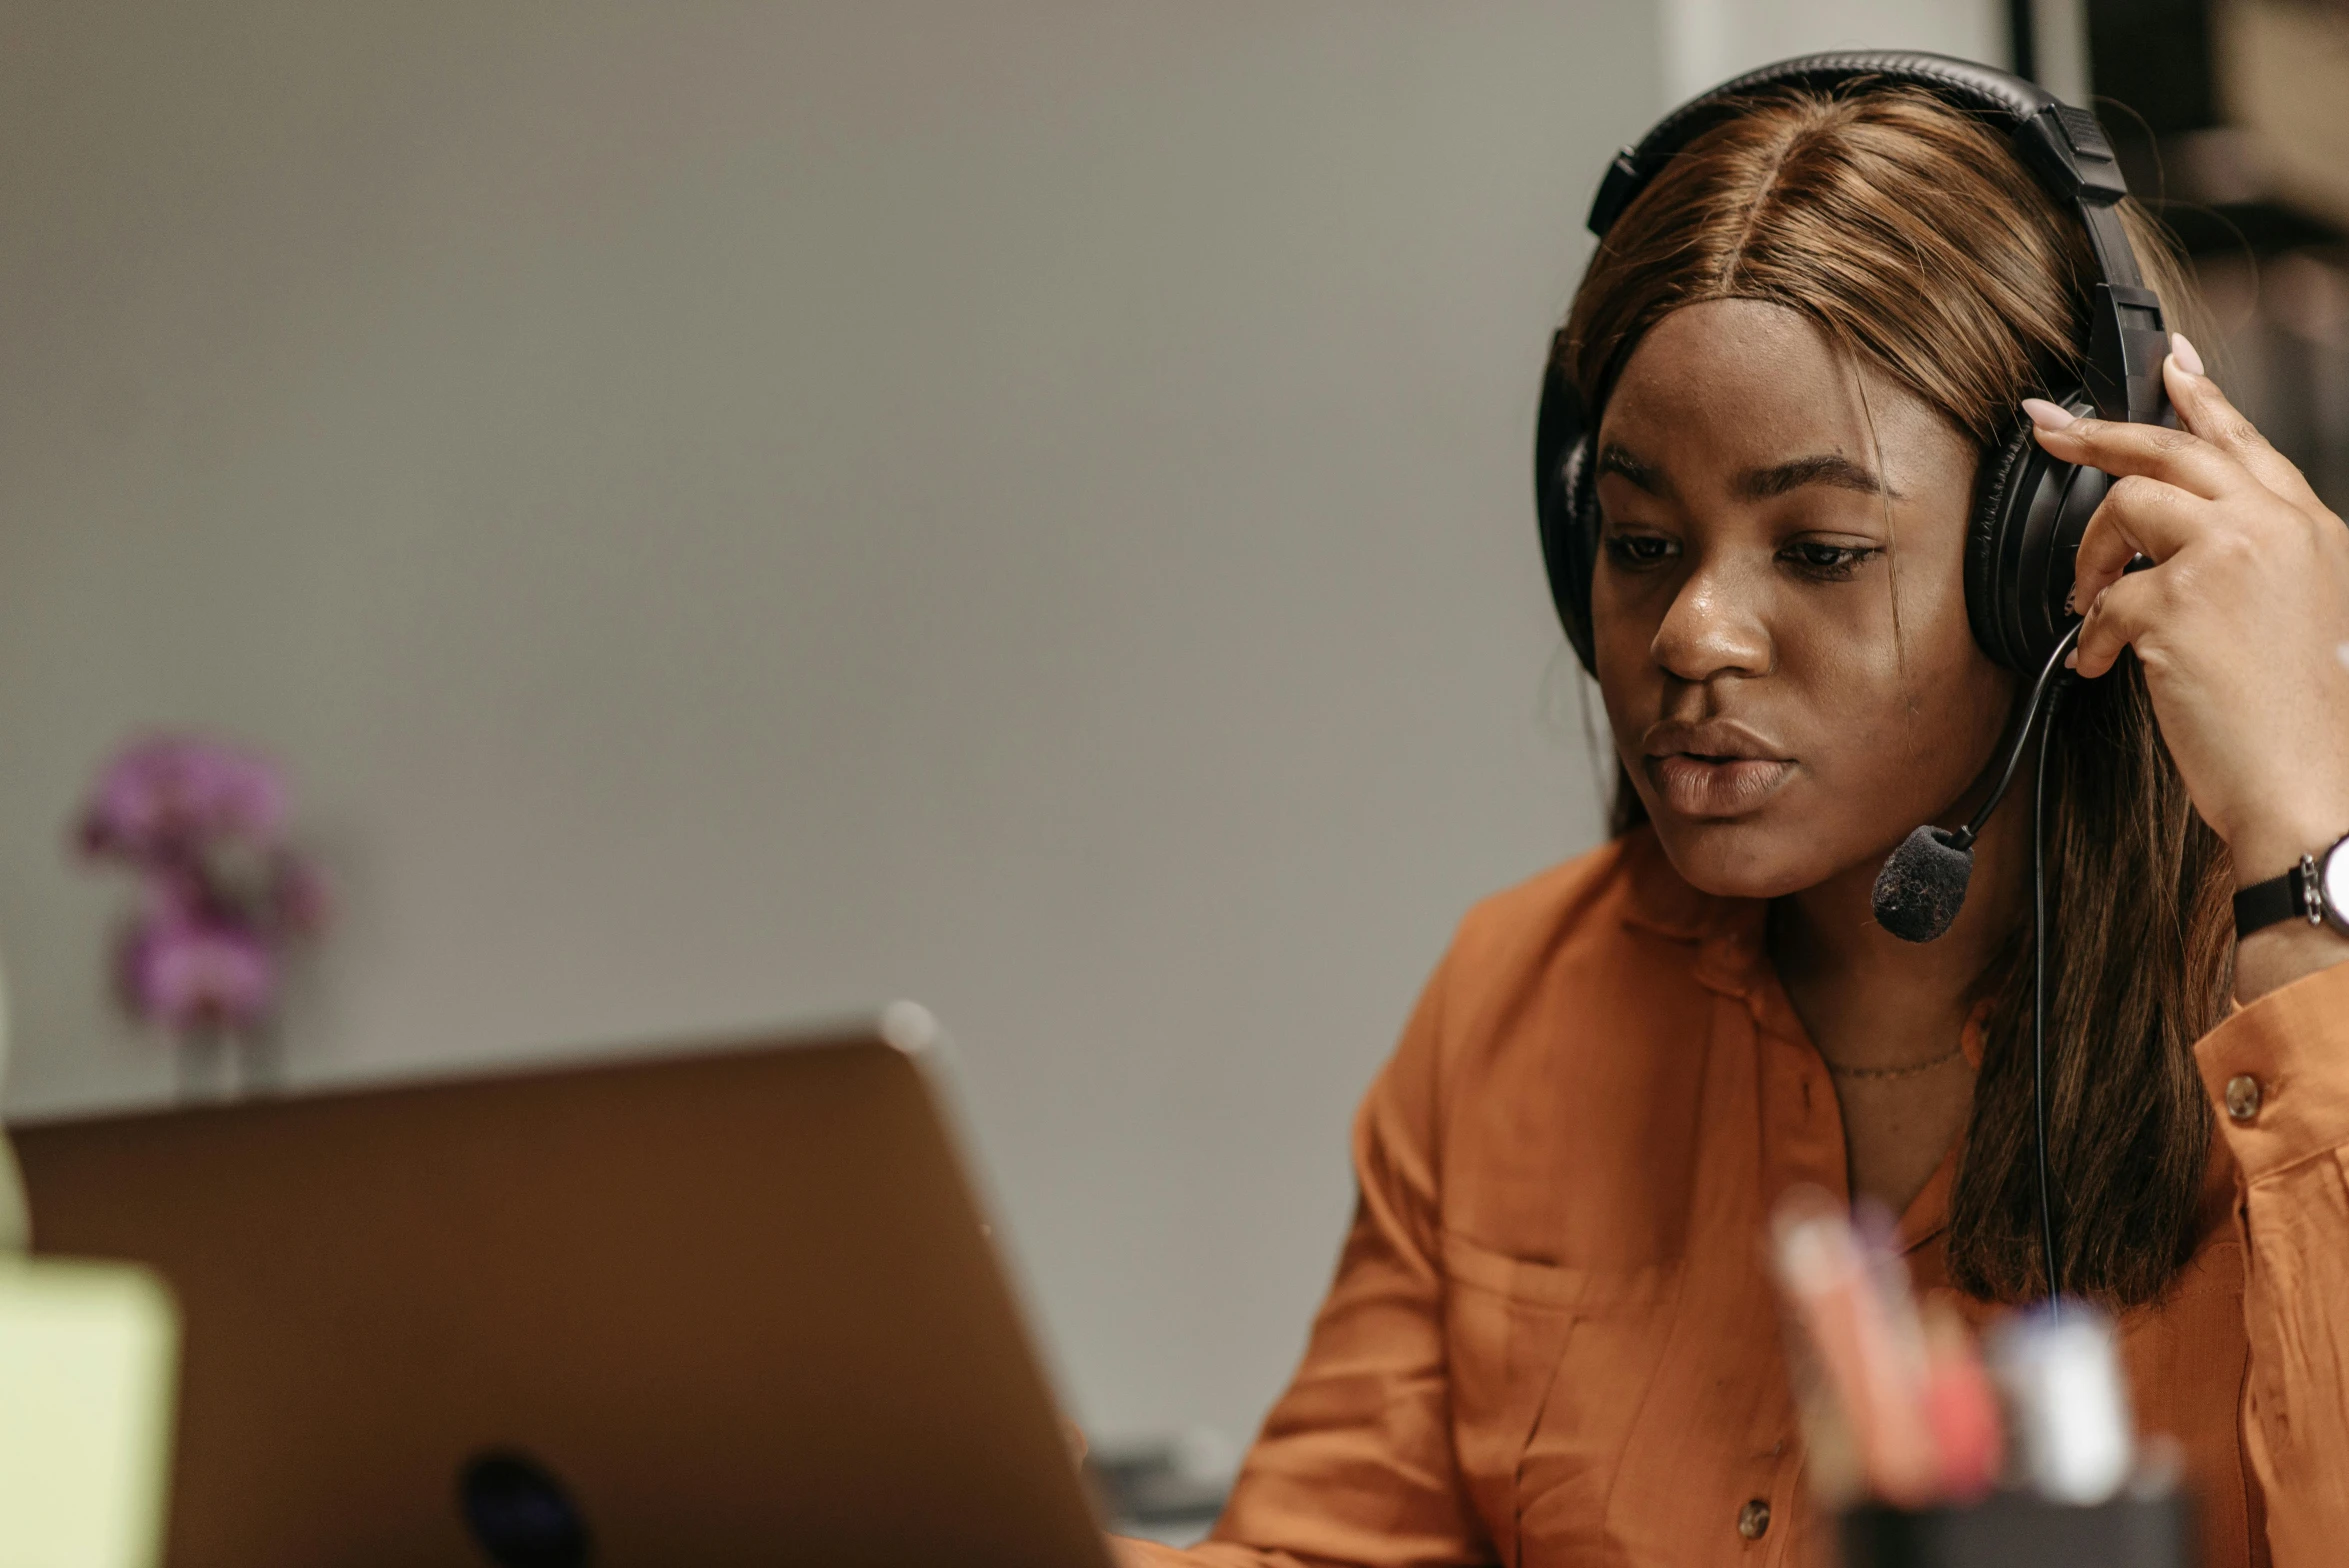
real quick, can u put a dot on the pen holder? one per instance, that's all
(2022, 1530)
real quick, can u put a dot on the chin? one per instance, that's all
(1745, 857)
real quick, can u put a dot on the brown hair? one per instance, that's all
(1913, 236)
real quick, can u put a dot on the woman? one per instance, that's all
(1551, 1338)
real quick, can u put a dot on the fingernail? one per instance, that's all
(2046, 415)
(2183, 352)
(2072, 660)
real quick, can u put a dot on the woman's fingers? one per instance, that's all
(2115, 619)
(2138, 516)
(2175, 457)
(2204, 410)
(2169, 485)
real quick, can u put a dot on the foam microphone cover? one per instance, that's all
(1923, 885)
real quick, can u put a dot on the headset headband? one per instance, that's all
(2063, 146)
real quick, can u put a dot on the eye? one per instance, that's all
(1826, 562)
(1639, 552)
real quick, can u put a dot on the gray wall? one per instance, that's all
(1707, 41)
(736, 512)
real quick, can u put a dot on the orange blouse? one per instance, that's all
(1551, 1339)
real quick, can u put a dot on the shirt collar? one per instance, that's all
(1732, 960)
(1660, 902)
(1728, 932)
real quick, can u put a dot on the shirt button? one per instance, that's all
(2242, 1097)
(1753, 1519)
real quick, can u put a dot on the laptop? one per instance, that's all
(718, 1306)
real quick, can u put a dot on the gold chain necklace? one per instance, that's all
(1909, 1071)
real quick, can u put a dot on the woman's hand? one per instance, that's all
(2242, 623)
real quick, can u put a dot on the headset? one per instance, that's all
(2029, 510)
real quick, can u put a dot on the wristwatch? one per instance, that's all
(2316, 890)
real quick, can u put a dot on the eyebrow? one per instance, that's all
(1614, 459)
(1755, 484)
(1759, 484)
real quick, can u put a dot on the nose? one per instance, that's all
(1713, 626)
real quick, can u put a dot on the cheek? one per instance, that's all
(1630, 684)
(1905, 717)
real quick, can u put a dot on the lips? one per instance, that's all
(1713, 769)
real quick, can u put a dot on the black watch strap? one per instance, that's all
(2294, 895)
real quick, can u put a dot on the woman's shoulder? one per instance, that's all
(1603, 903)
(1589, 974)
(1599, 952)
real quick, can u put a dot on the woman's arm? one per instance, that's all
(2279, 1073)
(1354, 1465)
(2242, 626)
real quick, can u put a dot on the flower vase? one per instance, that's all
(260, 1062)
(204, 1066)
(218, 1065)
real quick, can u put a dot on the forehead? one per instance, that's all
(1731, 385)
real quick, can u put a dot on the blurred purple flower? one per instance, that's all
(221, 894)
(190, 975)
(170, 796)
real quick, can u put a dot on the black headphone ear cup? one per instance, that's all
(1582, 516)
(1569, 545)
(1994, 493)
(1566, 507)
(2029, 513)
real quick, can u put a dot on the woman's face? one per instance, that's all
(1780, 720)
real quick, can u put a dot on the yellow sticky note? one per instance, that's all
(89, 1356)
